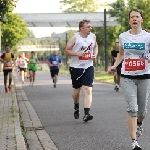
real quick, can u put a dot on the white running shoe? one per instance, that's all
(135, 146)
(32, 83)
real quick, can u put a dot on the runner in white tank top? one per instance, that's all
(82, 48)
(23, 66)
(134, 48)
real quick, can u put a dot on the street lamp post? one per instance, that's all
(66, 55)
(105, 40)
(0, 47)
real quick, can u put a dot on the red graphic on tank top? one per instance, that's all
(86, 55)
(134, 64)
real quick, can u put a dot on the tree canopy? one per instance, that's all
(79, 5)
(13, 30)
(121, 10)
(5, 7)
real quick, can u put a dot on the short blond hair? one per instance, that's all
(81, 23)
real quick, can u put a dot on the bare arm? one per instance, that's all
(68, 50)
(119, 58)
(95, 50)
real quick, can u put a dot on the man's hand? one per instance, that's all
(111, 70)
(93, 56)
(81, 53)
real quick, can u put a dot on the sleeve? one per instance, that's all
(12, 55)
(2, 56)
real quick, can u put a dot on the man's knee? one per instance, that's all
(87, 90)
(76, 92)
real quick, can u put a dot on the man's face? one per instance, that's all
(86, 28)
(55, 53)
(32, 54)
(7, 48)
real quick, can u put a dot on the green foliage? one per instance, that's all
(5, 7)
(121, 11)
(13, 30)
(30, 34)
(79, 5)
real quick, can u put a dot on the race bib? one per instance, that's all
(134, 64)
(22, 63)
(55, 63)
(86, 56)
(8, 64)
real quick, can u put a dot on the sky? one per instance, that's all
(42, 6)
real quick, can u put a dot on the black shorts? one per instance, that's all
(7, 71)
(81, 77)
(53, 72)
(23, 69)
(118, 71)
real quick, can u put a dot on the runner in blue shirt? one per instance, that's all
(54, 62)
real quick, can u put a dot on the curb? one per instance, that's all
(36, 137)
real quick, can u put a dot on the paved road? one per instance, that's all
(107, 131)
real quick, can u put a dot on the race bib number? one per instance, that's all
(134, 64)
(22, 64)
(8, 64)
(55, 63)
(86, 56)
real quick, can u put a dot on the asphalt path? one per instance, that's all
(108, 129)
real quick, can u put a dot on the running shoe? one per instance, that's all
(6, 90)
(135, 146)
(87, 117)
(76, 114)
(32, 83)
(9, 89)
(117, 89)
(54, 85)
(139, 131)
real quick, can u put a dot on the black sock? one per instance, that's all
(133, 140)
(139, 123)
(86, 111)
(76, 106)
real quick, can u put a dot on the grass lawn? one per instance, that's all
(104, 77)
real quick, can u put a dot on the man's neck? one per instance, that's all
(83, 35)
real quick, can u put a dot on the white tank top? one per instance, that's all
(23, 62)
(136, 53)
(82, 44)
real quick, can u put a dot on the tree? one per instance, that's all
(79, 5)
(5, 7)
(13, 30)
(121, 10)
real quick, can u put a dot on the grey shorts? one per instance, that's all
(136, 93)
